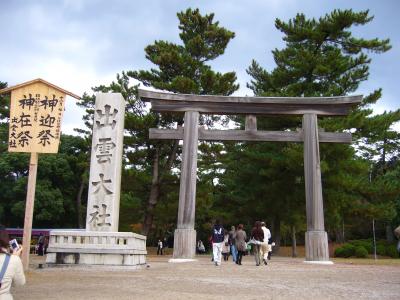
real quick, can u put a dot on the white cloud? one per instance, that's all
(80, 44)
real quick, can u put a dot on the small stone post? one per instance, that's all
(316, 239)
(185, 235)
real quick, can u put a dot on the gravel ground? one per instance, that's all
(283, 278)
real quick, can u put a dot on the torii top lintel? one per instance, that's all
(211, 104)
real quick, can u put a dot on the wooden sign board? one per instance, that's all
(36, 112)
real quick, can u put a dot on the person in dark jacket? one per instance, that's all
(41, 245)
(217, 241)
(257, 234)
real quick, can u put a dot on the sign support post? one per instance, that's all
(30, 203)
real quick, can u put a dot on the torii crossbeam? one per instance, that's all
(309, 107)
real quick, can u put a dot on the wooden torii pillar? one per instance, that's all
(308, 107)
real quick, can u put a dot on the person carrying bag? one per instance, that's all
(257, 238)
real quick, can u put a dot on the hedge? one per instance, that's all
(361, 248)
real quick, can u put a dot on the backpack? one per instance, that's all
(218, 234)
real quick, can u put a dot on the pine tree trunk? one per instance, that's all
(294, 243)
(343, 239)
(79, 204)
(154, 195)
(338, 235)
(156, 183)
(276, 229)
(389, 234)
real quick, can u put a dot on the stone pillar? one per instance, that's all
(185, 235)
(316, 239)
(105, 163)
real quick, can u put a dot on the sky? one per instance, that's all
(79, 44)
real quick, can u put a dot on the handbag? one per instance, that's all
(254, 241)
(4, 267)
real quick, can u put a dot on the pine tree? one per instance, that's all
(181, 68)
(321, 58)
(184, 69)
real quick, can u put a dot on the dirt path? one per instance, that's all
(283, 278)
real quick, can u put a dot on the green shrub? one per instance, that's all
(391, 251)
(367, 244)
(339, 252)
(346, 250)
(380, 249)
(360, 252)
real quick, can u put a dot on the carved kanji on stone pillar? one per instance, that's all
(105, 165)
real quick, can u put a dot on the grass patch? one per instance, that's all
(367, 261)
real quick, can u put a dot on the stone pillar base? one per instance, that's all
(317, 246)
(96, 248)
(184, 243)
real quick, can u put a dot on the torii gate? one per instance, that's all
(316, 239)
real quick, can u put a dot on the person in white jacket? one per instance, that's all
(265, 247)
(14, 274)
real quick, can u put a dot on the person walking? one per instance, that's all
(232, 236)
(11, 269)
(240, 242)
(217, 241)
(257, 235)
(265, 247)
(160, 247)
(226, 247)
(41, 245)
(200, 247)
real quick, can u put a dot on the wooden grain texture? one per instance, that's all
(36, 112)
(250, 123)
(147, 95)
(166, 134)
(334, 137)
(316, 239)
(316, 244)
(187, 190)
(169, 102)
(312, 174)
(249, 135)
(184, 243)
(241, 108)
(29, 207)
